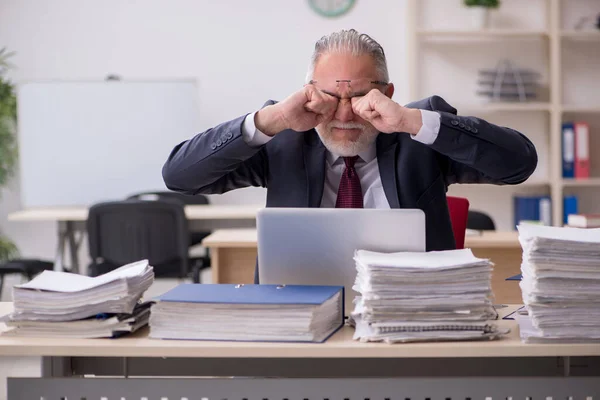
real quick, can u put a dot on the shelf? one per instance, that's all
(581, 109)
(495, 107)
(476, 35)
(591, 35)
(591, 182)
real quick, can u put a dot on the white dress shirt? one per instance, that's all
(366, 166)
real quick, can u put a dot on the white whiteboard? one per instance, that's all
(86, 142)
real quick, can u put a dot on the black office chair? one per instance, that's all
(121, 232)
(25, 267)
(195, 237)
(480, 221)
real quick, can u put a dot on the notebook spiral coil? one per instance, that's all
(396, 329)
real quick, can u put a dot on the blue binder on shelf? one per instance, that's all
(532, 208)
(568, 150)
(570, 206)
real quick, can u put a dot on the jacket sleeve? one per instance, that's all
(476, 151)
(216, 161)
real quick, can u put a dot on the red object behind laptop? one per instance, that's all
(459, 212)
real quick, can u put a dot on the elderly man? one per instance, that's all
(341, 141)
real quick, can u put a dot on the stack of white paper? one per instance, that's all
(59, 302)
(404, 297)
(101, 325)
(561, 283)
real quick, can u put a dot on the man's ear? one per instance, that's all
(389, 92)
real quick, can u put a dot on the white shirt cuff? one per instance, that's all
(430, 129)
(252, 136)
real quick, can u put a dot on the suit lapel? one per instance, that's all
(314, 162)
(386, 159)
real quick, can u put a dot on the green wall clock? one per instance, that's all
(331, 8)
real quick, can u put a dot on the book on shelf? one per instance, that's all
(582, 150)
(532, 209)
(584, 220)
(568, 150)
(575, 150)
(570, 206)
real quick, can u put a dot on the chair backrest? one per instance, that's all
(121, 232)
(198, 199)
(458, 208)
(480, 221)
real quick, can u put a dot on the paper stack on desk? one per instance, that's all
(57, 302)
(98, 326)
(405, 297)
(561, 284)
(290, 313)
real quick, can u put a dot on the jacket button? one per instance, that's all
(474, 130)
(229, 135)
(454, 122)
(223, 138)
(219, 142)
(213, 146)
(461, 125)
(468, 128)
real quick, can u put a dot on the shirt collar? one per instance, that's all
(367, 156)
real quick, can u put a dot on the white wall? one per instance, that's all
(242, 53)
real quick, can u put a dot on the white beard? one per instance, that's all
(347, 148)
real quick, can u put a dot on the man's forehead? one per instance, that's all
(344, 66)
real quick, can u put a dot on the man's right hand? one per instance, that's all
(300, 112)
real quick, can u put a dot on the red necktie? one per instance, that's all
(350, 193)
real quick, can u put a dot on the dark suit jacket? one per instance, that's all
(414, 175)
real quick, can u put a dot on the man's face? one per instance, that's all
(344, 76)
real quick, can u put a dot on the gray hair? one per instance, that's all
(352, 42)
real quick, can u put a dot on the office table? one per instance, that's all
(481, 369)
(70, 222)
(234, 251)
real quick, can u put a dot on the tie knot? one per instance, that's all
(349, 161)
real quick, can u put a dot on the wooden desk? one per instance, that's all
(234, 253)
(71, 221)
(502, 366)
(193, 213)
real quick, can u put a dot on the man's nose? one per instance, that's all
(344, 111)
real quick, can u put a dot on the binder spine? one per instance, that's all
(582, 150)
(568, 150)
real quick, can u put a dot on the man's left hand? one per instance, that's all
(385, 114)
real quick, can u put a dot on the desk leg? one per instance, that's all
(215, 253)
(73, 247)
(67, 238)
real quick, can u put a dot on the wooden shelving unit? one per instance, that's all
(581, 35)
(553, 35)
(498, 34)
(581, 109)
(591, 182)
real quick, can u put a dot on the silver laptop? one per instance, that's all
(315, 246)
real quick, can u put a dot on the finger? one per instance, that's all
(322, 104)
(363, 109)
(369, 115)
